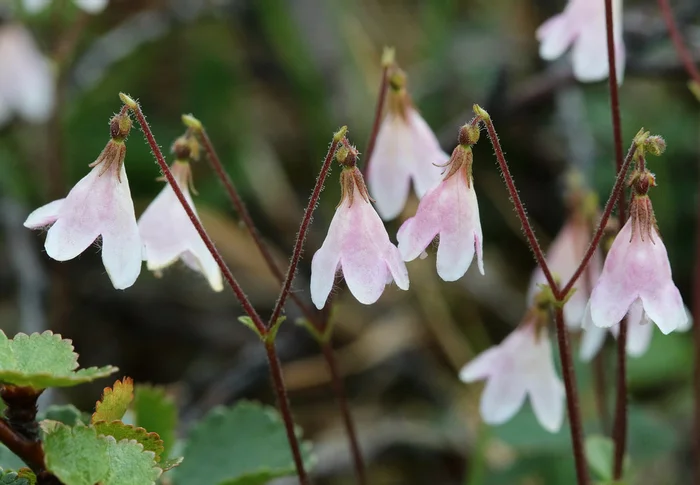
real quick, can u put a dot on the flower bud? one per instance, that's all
(469, 134)
(119, 127)
(655, 145)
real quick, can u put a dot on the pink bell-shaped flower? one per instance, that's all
(357, 245)
(26, 80)
(521, 365)
(450, 211)
(406, 151)
(99, 205)
(167, 232)
(582, 24)
(637, 269)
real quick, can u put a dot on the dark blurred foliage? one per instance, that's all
(272, 80)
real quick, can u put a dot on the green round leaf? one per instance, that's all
(115, 401)
(245, 444)
(43, 360)
(130, 464)
(76, 455)
(156, 412)
(599, 455)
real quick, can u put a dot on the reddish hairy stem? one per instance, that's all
(562, 335)
(607, 211)
(678, 42)
(620, 424)
(377, 119)
(243, 213)
(519, 208)
(273, 360)
(29, 451)
(155, 149)
(303, 228)
(567, 370)
(339, 389)
(285, 411)
(319, 321)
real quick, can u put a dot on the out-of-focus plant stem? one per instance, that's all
(262, 329)
(620, 422)
(315, 318)
(387, 62)
(679, 44)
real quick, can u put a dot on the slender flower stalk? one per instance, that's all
(387, 62)
(607, 212)
(562, 333)
(681, 48)
(482, 115)
(262, 329)
(620, 423)
(305, 224)
(572, 403)
(320, 322)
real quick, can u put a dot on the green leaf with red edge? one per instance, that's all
(155, 411)
(115, 401)
(43, 360)
(121, 431)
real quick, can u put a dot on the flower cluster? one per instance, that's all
(100, 206)
(358, 246)
(633, 281)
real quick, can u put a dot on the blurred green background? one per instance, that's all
(272, 80)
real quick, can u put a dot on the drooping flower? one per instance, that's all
(450, 211)
(26, 81)
(582, 24)
(639, 332)
(637, 269)
(357, 245)
(89, 6)
(520, 366)
(406, 151)
(566, 253)
(98, 205)
(166, 230)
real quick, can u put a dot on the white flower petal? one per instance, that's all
(44, 215)
(91, 6)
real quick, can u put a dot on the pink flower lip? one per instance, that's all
(98, 205)
(406, 152)
(168, 233)
(357, 245)
(637, 269)
(582, 25)
(450, 211)
(521, 365)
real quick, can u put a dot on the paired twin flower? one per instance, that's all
(633, 282)
(100, 206)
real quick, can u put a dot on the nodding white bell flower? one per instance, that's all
(563, 258)
(520, 366)
(581, 26)
(89, 6)
(168, 234)
(450, 211)
(358, 246)
(99, 205)
(406, 152)
(637, 269)
(26, 79)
